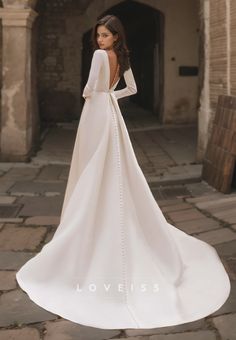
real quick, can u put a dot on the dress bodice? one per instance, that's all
(99, 77)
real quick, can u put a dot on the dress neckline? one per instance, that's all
(110, 73)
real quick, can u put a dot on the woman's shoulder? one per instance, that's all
(99, 55)
(99, 51)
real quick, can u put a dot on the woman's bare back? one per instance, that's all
(114, 67)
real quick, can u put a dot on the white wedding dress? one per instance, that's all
(114, 261)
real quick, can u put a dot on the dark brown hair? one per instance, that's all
(114, 25)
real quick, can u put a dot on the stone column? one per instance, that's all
(19, 127)
(204, 112)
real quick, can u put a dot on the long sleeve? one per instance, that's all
(130, 88)
(96, 64)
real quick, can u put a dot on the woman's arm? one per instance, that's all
(96, 64)
(130, 88)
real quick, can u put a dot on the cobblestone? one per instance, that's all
(26, 333)
(43, 220)
(200, 335)
(66, 330)
(33, 187)
(230, 305)
(11, 260)
(21, 238)
(189, 326)
(16, 307)
(7, 199)
(217, 236)
(177, 207)
(11, 220)
(21, 172)
(185, 215)
(51, 172)
(7, 280)
(5, 185)
(198, 226)
(226, 325)
(37, 206)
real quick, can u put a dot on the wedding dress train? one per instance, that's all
(114, 261)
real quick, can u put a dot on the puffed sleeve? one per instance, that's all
(130, 88)
(95, 68)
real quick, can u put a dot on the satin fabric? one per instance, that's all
(114, 261)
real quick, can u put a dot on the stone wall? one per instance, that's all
(0, 68)
(218, 53)
(220, 61)
(58, 59)
(181, 48)
(233, 48)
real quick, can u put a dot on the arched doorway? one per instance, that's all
(144, 32)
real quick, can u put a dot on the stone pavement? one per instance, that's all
(31, 196)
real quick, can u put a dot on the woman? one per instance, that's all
(114, 261)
